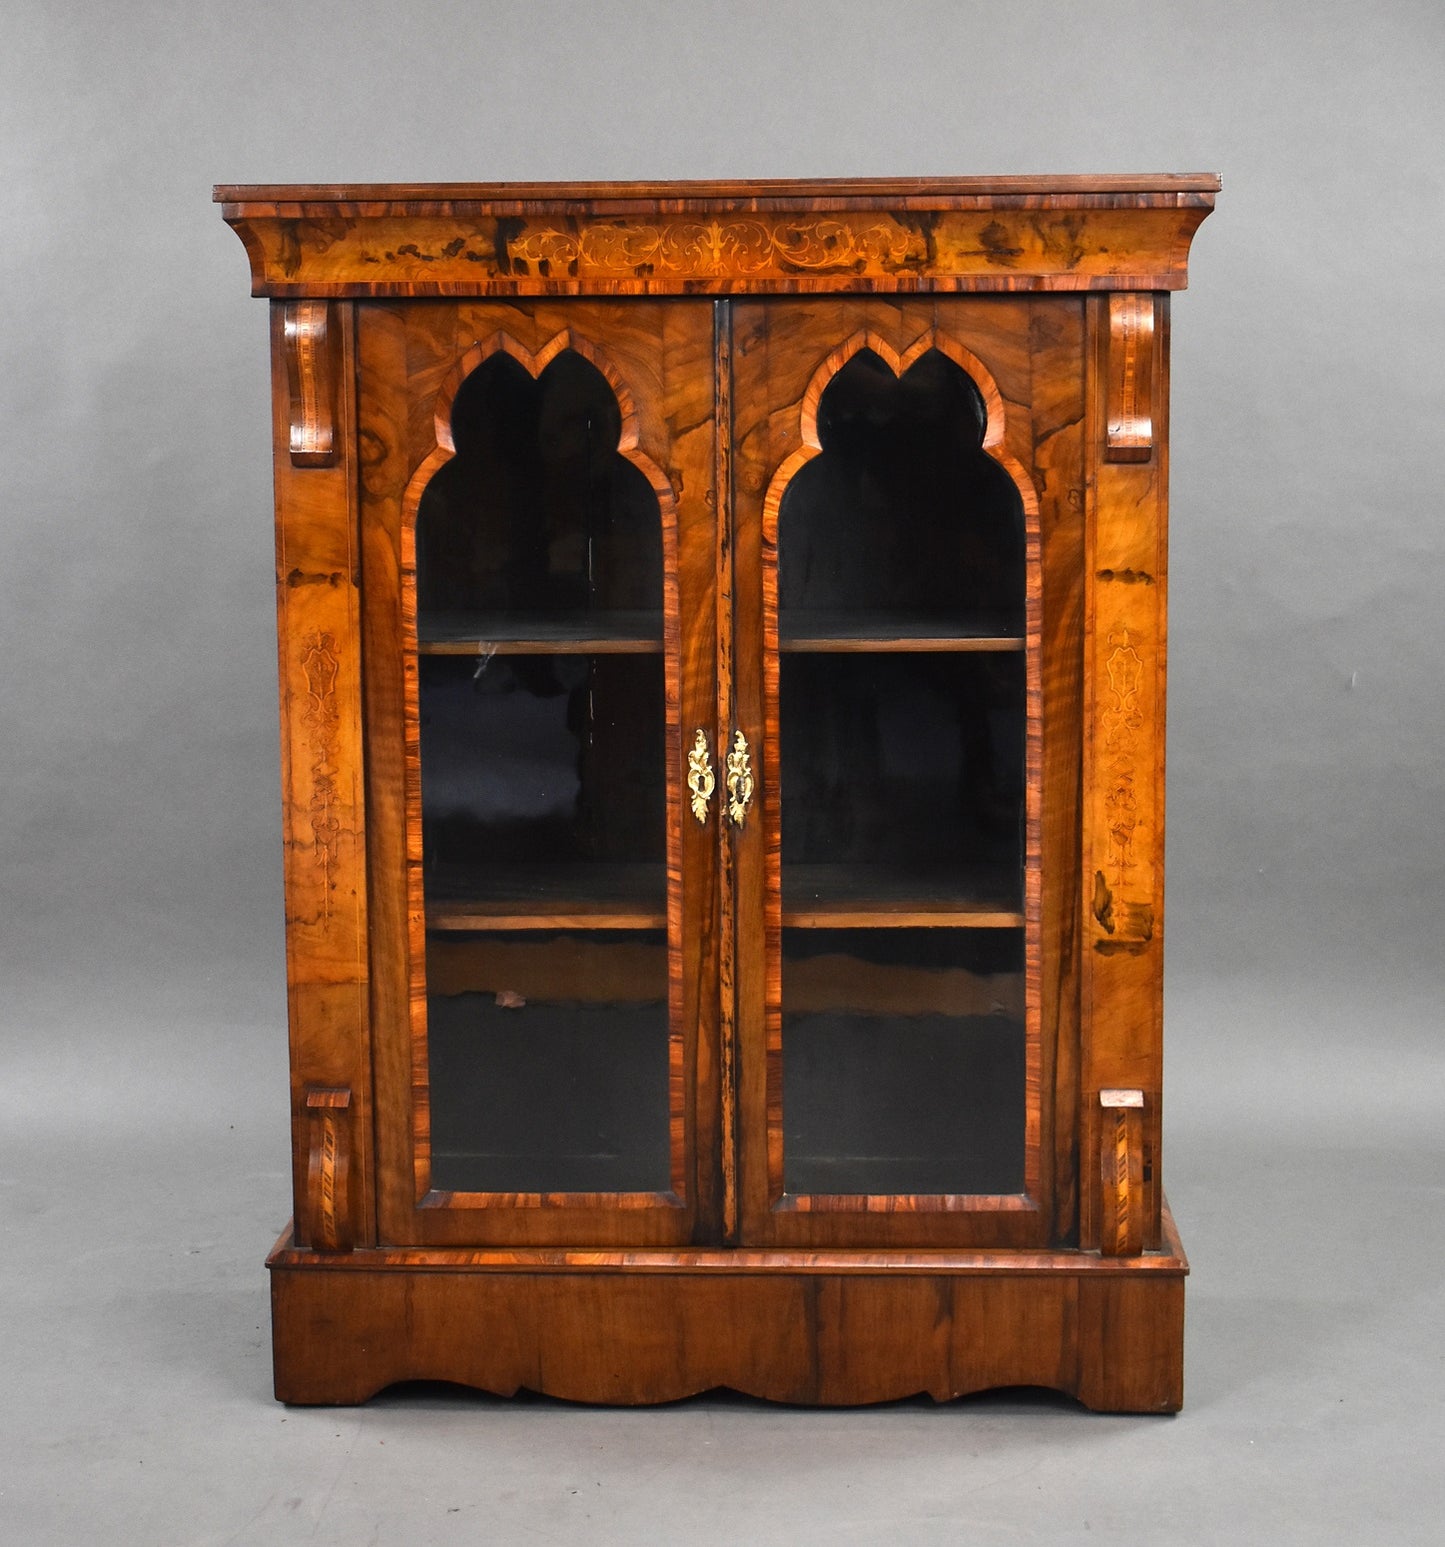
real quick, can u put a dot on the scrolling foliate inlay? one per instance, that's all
(669, 240)
(742, 246)
(1123, 891)
(322, 720)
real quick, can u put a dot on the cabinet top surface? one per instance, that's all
(928, 189)
(697, 238)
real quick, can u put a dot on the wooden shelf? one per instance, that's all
(848, 632)
(640, 633)
(896, 897)
(582, 896)
(557, 633)
(575, 896)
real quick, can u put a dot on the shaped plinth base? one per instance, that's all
(829, 1328)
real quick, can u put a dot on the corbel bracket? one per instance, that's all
(311, 376)
(1121, 1173)
(328, 1176)
(1130, 433)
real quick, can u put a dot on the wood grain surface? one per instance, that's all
(671, 239)
(687, 194)
(318, 608)
(718, 313)
(1122, 884)
(636, 1328)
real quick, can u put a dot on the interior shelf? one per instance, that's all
(546, 633)
(840, 631)
(541, 896)
(582, 896)
(899, 897)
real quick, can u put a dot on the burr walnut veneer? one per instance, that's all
(722, 674)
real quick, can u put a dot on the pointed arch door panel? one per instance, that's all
(539, 556)
(900, 1054)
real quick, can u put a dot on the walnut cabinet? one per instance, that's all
(722, 648)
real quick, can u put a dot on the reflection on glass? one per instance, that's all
(903, 1061)
(541, 760)
(549, 1061)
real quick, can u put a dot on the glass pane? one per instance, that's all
(542, 764)
(549, 1061)
(903, 1061)
(905, 764)
(538, 512)
(903, 511)
(542, 692)
(902, 711)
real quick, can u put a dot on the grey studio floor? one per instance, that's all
(142, 1184)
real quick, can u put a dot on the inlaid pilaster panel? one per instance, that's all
(1123, 871)
(323, 806)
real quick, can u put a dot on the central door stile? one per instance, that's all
(727, 888)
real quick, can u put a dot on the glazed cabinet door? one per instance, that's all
(908, 520)
(539, 552)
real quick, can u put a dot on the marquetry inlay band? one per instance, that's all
(1135, 241)
(745, 246)
(1122, 892)
(321, 718)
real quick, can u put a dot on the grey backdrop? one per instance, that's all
(142, 1066)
